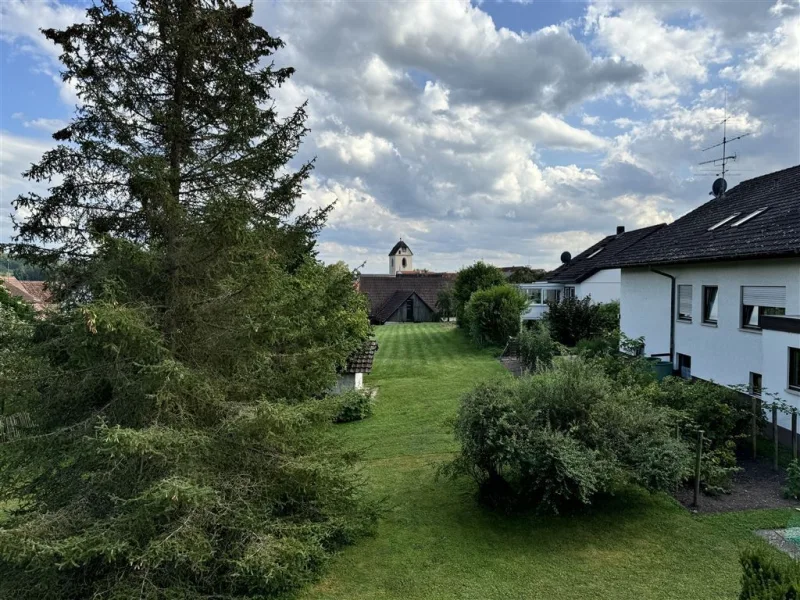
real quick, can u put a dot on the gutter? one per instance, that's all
(671, 315)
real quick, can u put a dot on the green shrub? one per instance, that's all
(717, 468)
(353, 405)
(720, 412)
(791, 488)
(601, 345)
(724, 417)
(556, 439)
(469, 280)
(495, 314)
(573, 320)
(526, 275)
(444, 304)
(536, 348)
(768, 576)
(608, 316)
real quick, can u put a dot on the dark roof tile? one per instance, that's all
(398, 246)
(361, 361)
(773, 233)
(380, 288)
(587, 263)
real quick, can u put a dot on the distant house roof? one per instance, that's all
(730, 227)
(602, 255)
(361, 361)
(398, 246)
(384, 291)
(33, 292)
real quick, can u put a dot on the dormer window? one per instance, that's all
(725, 220)
(753, 214)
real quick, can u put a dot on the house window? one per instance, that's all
(569, 292)
(753, 214)
(685, 303)
(710, 304)
(410, 309)
(685, 366)
(755, 384)
(725, 220)
(535, 294)
(404, 263)
(758, 301)
(794, 369)
(553, 295)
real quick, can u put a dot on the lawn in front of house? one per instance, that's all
(434, 541)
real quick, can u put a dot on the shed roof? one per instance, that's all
(361, 361)
(775, 232)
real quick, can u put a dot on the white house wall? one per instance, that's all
(775, 372)
(603, 286)
(724, 353)
(645, 307)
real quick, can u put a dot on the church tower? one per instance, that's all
(400, 258)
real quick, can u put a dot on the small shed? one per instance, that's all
(360, 362)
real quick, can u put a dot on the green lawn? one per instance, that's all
(435, 542)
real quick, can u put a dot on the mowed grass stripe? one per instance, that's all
(435, 542)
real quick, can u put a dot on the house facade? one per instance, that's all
(591, 273)
(717, 292)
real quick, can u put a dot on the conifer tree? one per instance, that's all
(179, 444)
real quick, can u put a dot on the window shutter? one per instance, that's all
(774, 297)
(685, 299)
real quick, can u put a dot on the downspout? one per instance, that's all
(671, 315)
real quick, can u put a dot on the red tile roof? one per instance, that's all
(33, 292)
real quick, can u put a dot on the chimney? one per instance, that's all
(620, 229)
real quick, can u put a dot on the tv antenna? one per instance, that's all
(720, 185)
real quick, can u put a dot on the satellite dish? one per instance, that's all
(718, 187)
(566, 257)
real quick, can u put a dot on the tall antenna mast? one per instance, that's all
(720, 185)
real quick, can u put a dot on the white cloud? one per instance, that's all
(17, 153)
(431, 122)
(772, 55)
(46, 125)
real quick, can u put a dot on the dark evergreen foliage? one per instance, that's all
(180, 445)
(526, 275)
(20, 269)
(766, 576)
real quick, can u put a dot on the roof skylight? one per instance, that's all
(725, 220)
(755, 213)
(595, 253)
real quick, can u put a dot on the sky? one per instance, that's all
(500, 131)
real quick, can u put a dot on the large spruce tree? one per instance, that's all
(178, 445)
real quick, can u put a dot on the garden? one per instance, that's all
(437, 539)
